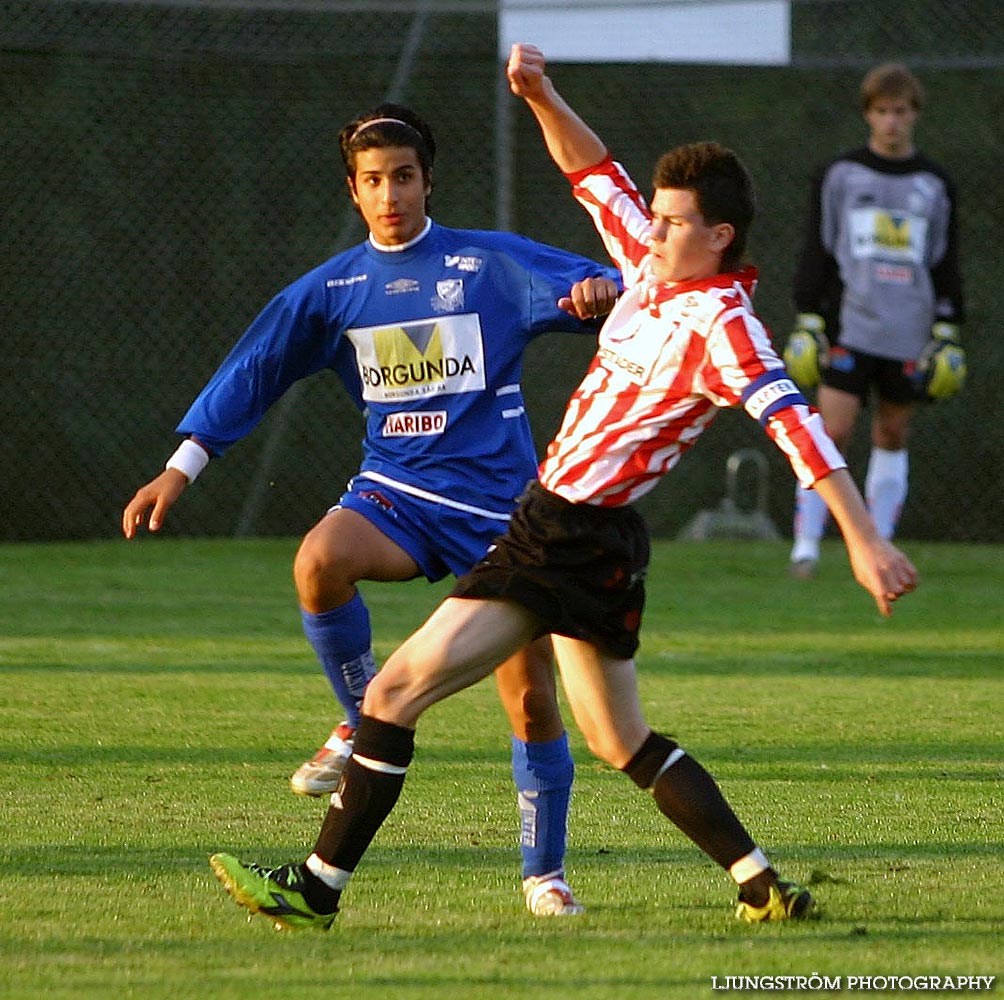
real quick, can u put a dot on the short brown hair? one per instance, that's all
(721, 184)
(892, 80)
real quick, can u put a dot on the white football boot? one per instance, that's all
(550, 896)
(322, 774)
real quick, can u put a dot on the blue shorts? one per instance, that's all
(441, 538)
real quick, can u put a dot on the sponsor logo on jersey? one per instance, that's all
(449, 295)
(879, 233)
(893, 274)
(618, 361)
(343, 282)
(462, 263)
(376, 497)
(892, 231)
(400, 286)
(420, 359)
(423, 423)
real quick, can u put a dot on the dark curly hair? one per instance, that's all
(722, 186)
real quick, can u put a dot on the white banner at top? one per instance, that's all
(735, 32)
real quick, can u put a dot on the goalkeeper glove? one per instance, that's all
(942, 363)
(807, 349)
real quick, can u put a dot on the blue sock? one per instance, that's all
(543, 774)
(342, 639)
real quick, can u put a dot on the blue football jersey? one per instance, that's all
(428, 340)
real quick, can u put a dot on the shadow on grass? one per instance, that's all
(276, 653)
(207, 665)
(816, 761)
(420, 862)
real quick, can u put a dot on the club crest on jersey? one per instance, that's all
(449, 295)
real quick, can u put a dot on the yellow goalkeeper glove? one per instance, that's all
(807, 349)
(942, 364)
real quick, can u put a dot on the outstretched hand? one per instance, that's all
(885, 572)
(155, 498)
(877, 564)
(590, 298)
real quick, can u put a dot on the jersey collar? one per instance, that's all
(400, 247)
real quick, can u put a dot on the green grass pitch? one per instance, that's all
(157, 695)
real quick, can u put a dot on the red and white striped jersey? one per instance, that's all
(669, 357)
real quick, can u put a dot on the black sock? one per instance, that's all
(686, 794)
(370, 787)
(756, 891)
(320, 897)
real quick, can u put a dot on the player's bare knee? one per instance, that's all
(890, 439)
(322, 580)
(399, 693)
(537, 709)
(608, 747)
(307, 574)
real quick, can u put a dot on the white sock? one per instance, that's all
(335, 878)
(749, 866)
(886, 484)
(811, 514)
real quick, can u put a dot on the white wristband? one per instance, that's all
(190, 459)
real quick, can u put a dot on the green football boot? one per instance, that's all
(787, 901)
(276, 893)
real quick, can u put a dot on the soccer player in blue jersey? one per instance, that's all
(426, 326)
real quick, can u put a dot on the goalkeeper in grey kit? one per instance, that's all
(879, 297)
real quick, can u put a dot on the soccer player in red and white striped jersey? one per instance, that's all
(682, 342)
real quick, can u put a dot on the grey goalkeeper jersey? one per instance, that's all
(880, 259)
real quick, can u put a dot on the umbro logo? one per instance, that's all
(401, 286)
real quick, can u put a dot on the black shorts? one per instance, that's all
(856, 372)
(579, 568)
